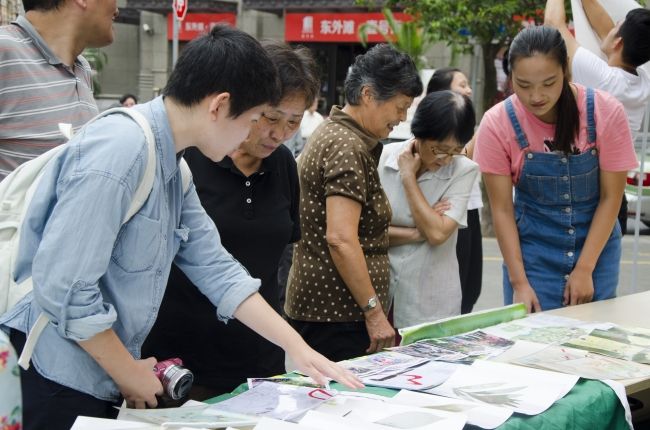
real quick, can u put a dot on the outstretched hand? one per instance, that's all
(319, 368)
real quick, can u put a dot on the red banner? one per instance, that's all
(336, 27)
(196, 24)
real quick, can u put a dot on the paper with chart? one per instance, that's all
(583, 363)
(478, 414)
(626, 343)
(392, 415)
(546, 329)
(521, 389)
(279, 401)
(423, 377)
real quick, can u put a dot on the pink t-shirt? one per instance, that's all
(497, 150)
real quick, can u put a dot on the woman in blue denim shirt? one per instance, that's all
(99, 282)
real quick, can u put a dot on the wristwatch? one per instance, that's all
(372, 303)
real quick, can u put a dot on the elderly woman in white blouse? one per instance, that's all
(428, 183)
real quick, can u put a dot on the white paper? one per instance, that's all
(546, 329)
(91, 423)
(392, 415)
(583, 363)
(279, 401)
(478, 414)
(619, 389)
(273, 424)
(524, 390)
(419, 378)
(321, 421)
(195, 415)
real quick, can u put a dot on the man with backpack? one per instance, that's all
(100, 281)
(44, 80)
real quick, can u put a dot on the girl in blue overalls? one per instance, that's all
(566, 149)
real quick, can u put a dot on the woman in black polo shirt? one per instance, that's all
(252, 195)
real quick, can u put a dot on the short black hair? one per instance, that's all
(442, 79)
(127, 96)
(444, 114)
(298, 72)
(386, 71)
(41, 4)
(224, 60)
(635, 32)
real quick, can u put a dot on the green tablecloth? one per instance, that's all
(590, 405)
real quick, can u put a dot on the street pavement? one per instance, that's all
(492, 294)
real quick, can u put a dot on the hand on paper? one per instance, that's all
(139, 385)
(525, 294)
(579, 287)
(313, 364)
(381, 333)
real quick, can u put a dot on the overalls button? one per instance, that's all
(566, 196)
(571, 231)
(529, 155)
(564, 160)
(566, 277)
(567, 210)
(593, 152)
(569, 254)
(565, 178)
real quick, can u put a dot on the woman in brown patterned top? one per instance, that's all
(337, 296)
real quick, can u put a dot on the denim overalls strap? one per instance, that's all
(591, 123)
(555, 200)
(521, 137)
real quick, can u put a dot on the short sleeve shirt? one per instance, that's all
(497, 150)
(633, 91)
(424, 279)
(37, 92)
(340, 159)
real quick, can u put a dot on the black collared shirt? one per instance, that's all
(257, 216)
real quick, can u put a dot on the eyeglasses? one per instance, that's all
(444, 154)
(273, 118)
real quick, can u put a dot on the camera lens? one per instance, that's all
(177, 381)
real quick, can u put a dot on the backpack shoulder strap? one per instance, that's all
(144, 189)
(186, 174)
(140, 196)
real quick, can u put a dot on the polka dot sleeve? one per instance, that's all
(346, 168)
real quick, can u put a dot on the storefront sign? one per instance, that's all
(336, 27)
(196, 24)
